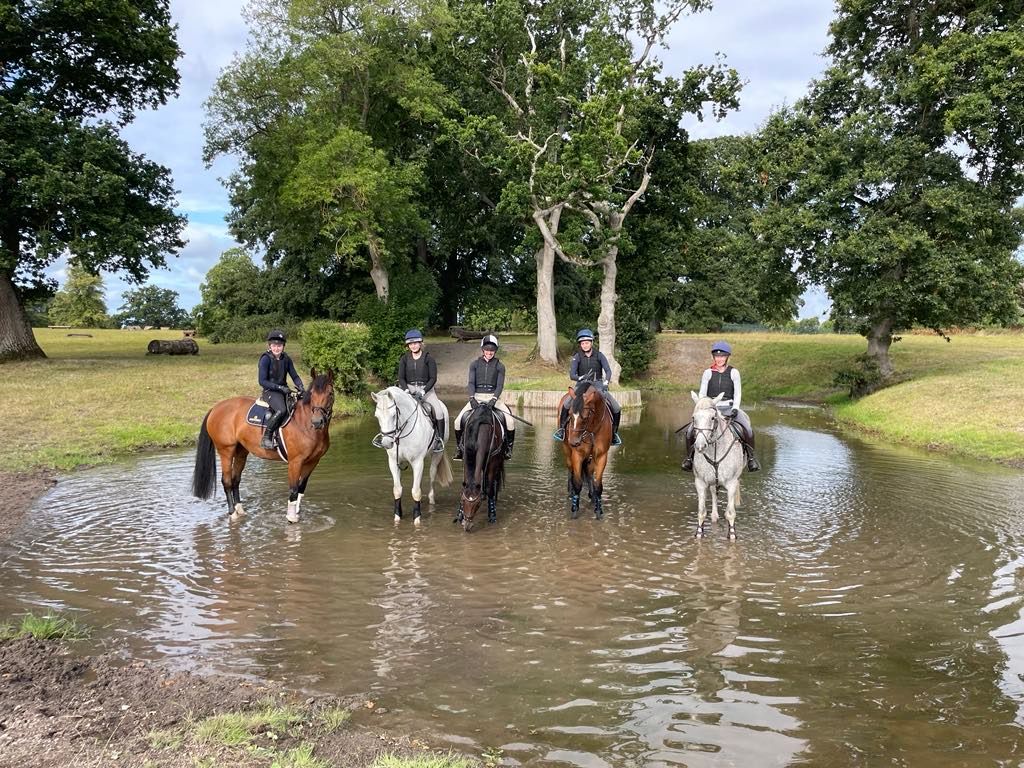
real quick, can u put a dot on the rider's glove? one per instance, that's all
(732, 413)
(474, 403)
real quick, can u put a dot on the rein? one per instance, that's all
(713, 441)
(398, 432)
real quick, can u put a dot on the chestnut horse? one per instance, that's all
(484, 463)
(306, 438)
(588, 435)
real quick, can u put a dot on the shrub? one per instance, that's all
(636, 342)
(481, 317)
(524, 320)
(245, 329)
(410, 305)
(340, 347)
(861, 377)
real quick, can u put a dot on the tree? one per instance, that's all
(80, 302)
(329, 112)
(151, 305)
(234, 287)
(905, 162)
(68, 183)
(564, 124)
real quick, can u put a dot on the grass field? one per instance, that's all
(100, 398)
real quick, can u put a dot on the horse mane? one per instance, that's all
(477, 418)
(320, 383)
(581, 389)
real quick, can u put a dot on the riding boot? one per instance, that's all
(616, 417)
(687, 465)
(458, 446)
(510, 438)
(753, 465)
(563, 416)
(268, 443)
(438, 446)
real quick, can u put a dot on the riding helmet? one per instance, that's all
(721, 347)
(276, 335)
(585, 333)
(413, 335)
(490, 341)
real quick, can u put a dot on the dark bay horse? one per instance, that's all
(306, 438)
(588, 435)
(484, 463)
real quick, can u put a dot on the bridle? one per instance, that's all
(325, 411)
(586, 432)
(712, 440)
(398, 432)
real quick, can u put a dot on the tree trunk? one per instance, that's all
(606, 319)
(16, 339)
(879, 341)
(378, 272)
(547, 325)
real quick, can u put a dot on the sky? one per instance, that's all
(775, 45)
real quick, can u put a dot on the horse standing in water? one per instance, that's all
(305, 438)
(406, 433)
(588, 435)
(484, 463)
(718, 460)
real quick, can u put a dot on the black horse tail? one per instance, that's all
(204, 475)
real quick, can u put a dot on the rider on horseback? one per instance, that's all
(274, 369)
(591, 365)
(723, 378)
(486, 380)
(417, 375)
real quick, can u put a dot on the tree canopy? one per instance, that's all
(68, 183)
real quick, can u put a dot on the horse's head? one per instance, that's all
(483, 460)
(585, 413)
(386, 412)
(708, 422)
(469, 501)
(320, 397)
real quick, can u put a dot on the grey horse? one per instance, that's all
(717, 461)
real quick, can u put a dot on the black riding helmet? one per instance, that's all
(276, 335)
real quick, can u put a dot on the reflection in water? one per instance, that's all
(869, 614)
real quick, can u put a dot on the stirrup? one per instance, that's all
(458, 453)
(438, 445)
(753, 465)
(687, 465)
(616, 440)
(559, 434)
(268, 443)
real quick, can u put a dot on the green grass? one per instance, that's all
(334, 718)
(95, 400)
(424, 761)
(236, 728)
(47, 627)
(299, 757)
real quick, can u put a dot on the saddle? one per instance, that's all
(260, 409)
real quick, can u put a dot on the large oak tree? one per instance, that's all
(68, 183)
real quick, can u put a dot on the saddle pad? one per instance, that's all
(258, 412)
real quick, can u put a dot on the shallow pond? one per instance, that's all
(870, 613)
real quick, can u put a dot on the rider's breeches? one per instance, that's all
(485, 397)
(428, 397)
(274, 399)
(743, 420)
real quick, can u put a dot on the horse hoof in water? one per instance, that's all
(732, 534)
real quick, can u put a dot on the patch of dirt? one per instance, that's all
(58, 708)
(681, 360)
(453, 359)
(21, 489)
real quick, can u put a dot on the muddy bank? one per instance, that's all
(20, 491)
(60, 708)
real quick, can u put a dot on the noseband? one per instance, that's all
(398, 432)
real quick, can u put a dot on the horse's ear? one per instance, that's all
(312, 373)
(694, 395)
(572, 391)
(374, 396)
(718, 398)
(330, 377)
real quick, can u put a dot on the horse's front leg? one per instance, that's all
(575, 486)
(702, 509)
(730, 509)
(417, 494)
(714, 502)
(396, 482)
(435, 459)
(294, 482)
(597, 483)
(492, 501)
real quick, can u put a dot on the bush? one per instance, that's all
(524, 320)
(340, 347)
(636, 342)
(410, 305)
(480, 317)
(247, 329)
(861, 377)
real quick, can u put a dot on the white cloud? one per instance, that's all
(774, 45)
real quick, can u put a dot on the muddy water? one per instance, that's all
(870, 613)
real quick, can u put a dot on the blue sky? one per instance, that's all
(774, 44)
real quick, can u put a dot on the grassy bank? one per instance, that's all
(965, 396)
(96, 399)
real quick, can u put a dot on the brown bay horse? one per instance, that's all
(588, 435)
(227, 433)
(484, 463)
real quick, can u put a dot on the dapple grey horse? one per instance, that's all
(717, 461)
(406, 433)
